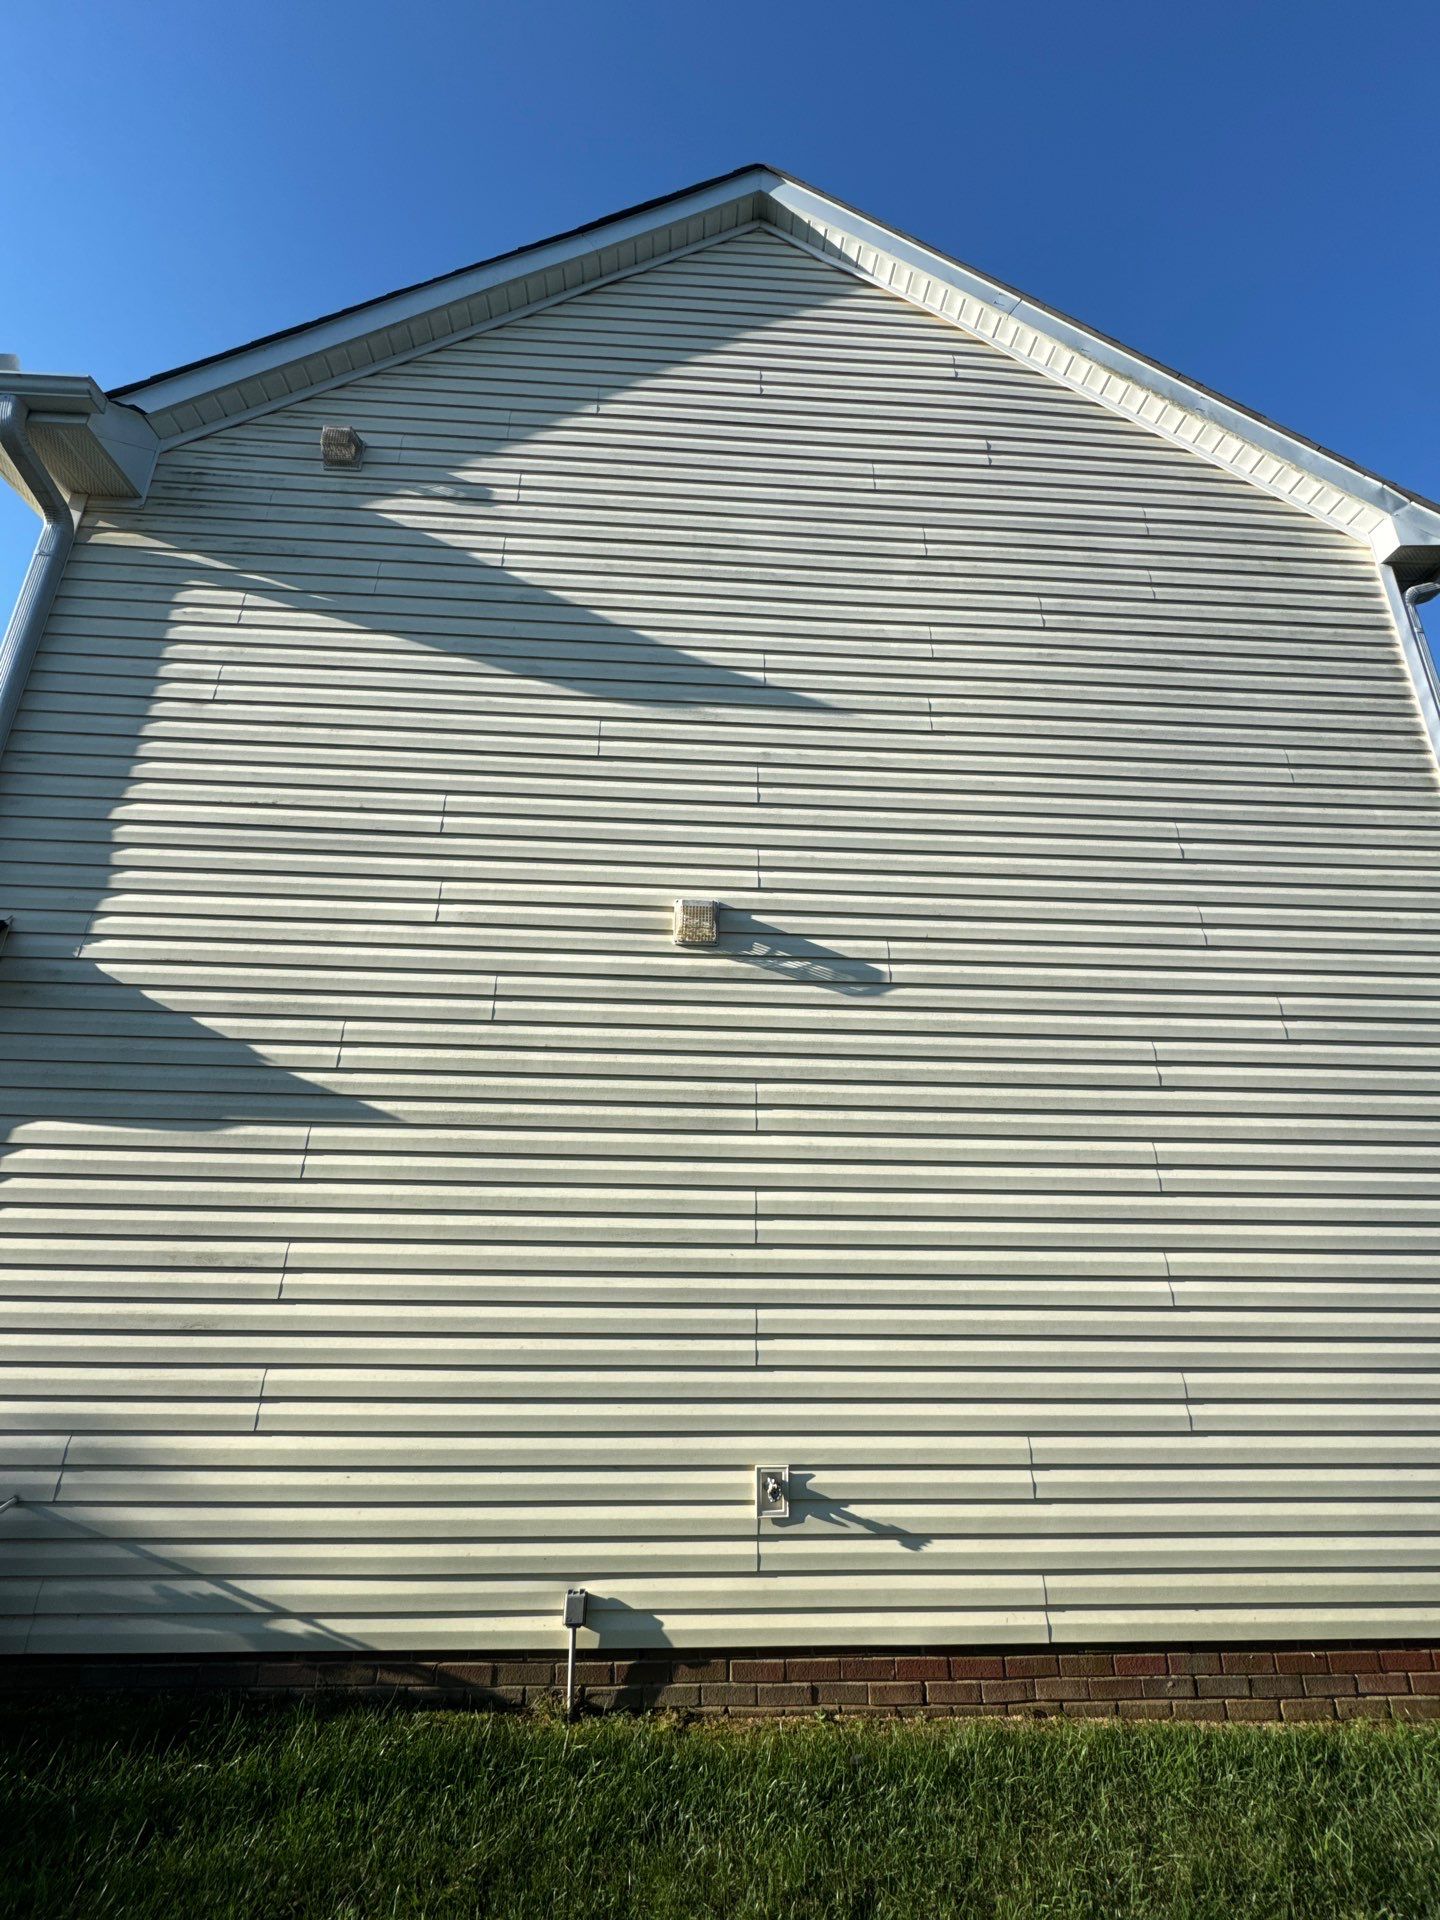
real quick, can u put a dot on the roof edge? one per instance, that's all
(154, 392)
(1416, 519)
(285, 366)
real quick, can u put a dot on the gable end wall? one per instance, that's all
(399, 1229)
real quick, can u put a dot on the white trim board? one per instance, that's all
(462, 333)
(189, 402)
(400, 326)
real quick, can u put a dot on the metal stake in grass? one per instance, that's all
(575, 1603)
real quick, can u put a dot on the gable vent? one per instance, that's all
(341, 447)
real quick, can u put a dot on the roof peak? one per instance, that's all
(206, 394)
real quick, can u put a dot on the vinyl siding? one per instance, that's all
(399, 1229)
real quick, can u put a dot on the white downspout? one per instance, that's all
(1414, 598)
(1404, 612)
(47, 563)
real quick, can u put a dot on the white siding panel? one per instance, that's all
(399, 1229)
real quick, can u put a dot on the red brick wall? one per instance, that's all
(1334, 1683)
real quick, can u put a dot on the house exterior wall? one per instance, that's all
(399, 1229)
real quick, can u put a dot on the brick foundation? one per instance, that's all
(1336, 1683)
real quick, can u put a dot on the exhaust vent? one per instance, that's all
(341, 447)
(694, 924)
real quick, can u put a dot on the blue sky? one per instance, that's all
(1246, 192)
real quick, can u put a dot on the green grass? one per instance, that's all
(194, 1809)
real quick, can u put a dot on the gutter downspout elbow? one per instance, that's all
(47, 563)
(1414, 598)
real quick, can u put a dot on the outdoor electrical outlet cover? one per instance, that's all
(772, 1492)
(575, 1602)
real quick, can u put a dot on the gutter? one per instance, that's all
(47, 563)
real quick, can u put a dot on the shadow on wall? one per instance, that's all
(163, 1041)
(127, 1053)
(815, 1512)
(755, 943)
(500, 622)
(618, 1627)
(110, 1580)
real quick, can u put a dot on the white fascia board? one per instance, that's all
(1412, 524)
(327, 335)
(472, 330)
(129, 440)
(289, 368)
(1394, 519)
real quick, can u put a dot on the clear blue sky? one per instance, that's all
(1247, 192)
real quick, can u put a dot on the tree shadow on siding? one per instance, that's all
(505, 630)
(442, 550)
(109, 1577)
(81, 1046)
(105, 1056)
(462, 626)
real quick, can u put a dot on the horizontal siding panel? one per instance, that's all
(542, 1557)
(617, 1625)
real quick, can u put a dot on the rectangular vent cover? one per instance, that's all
(695, 923)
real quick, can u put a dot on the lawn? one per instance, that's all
(193, 1809)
